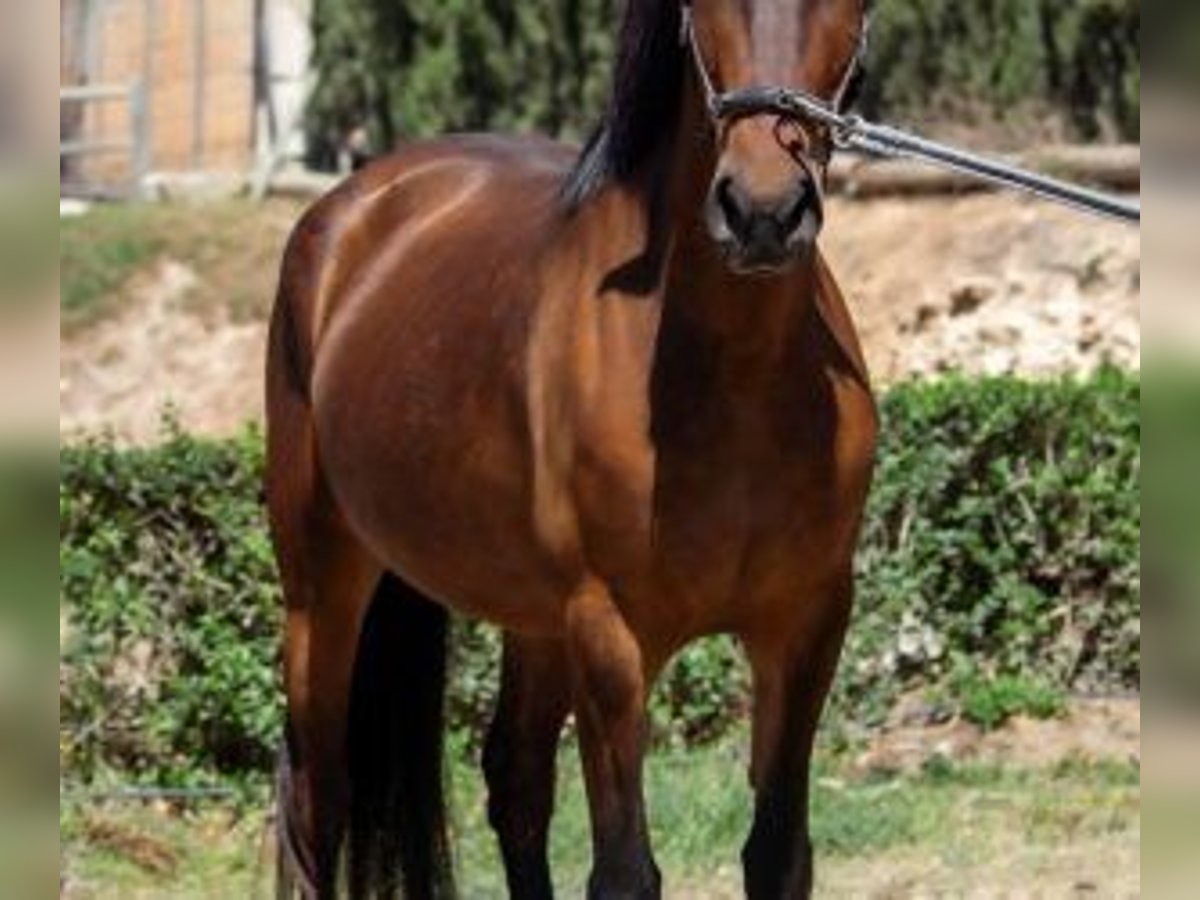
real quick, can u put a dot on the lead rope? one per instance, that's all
(852, 132)
(885, 141)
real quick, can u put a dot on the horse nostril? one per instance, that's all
(733, 207)
(767, 229)
(803, 201)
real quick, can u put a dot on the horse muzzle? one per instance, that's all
(763, 234)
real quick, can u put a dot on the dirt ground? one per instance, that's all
(162, 354)
(1091, 731)
(988, 284)
(984, 283)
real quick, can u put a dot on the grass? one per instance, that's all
(990, 702)
(956, 827)
(99, 254)
(232, 245)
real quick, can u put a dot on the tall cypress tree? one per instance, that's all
(411, 68)
(405, 69)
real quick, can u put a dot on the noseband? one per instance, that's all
(789, 104)
(840, 131)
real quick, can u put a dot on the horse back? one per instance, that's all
(356, 225)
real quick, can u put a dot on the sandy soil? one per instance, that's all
(987, 284)
(1091, 731)
(984, 283)
(1096, 867)
(162, 355)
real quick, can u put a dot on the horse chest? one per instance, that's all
(721, 516)
(728, 530)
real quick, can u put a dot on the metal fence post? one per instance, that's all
(139, 120)
(149, 47)
(199, 80)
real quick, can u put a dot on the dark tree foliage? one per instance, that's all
(402, 69)
(412, 68)
(1078, 60)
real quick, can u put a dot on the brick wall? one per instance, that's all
(200, 93)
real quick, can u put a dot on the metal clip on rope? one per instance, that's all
(851, 132)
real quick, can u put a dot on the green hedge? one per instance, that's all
(999, 569)
(412, 68)
(1003, 541)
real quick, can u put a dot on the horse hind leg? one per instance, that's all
(327, 598)
(519, 759)
(362, 779)
(363, 651)
(328, 580)
(293, 876)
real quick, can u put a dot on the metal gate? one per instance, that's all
(171, 86)
(103, 127)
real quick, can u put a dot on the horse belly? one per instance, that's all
(444, 521)
(426, 456)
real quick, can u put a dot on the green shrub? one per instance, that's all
(990, 702)
(999, 569)
(173, 619)
(1003, 535)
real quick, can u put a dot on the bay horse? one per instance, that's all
(610, 401)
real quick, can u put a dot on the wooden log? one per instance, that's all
(1115, 168)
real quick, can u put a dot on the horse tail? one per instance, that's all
(399, 842)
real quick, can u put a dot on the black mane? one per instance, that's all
(644, 101)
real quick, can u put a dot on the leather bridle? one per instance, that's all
(790, 105)
(838, 130)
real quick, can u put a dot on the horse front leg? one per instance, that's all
(793, 669)
(609, 687)
(519, 760)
